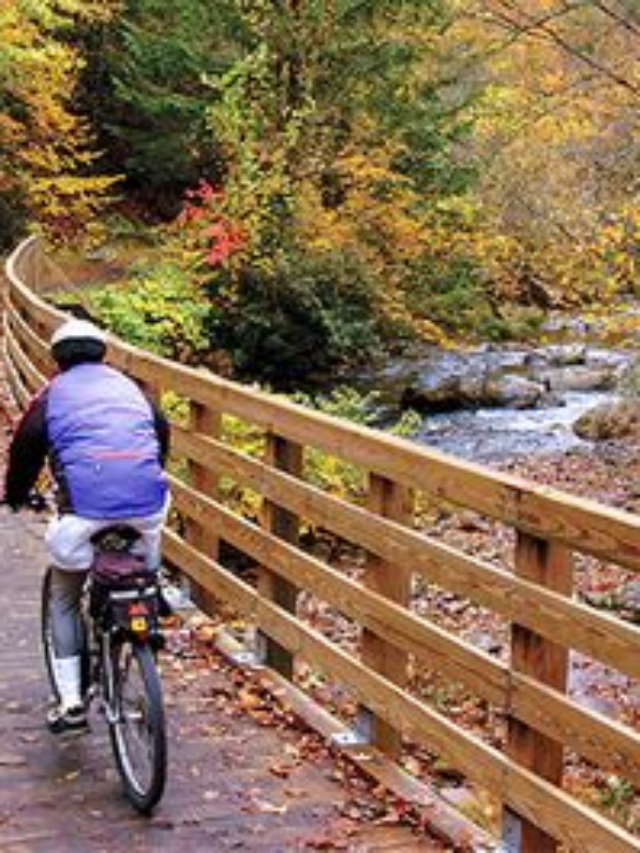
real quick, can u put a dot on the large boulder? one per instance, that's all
(474, 391)
(559, 355)
(427, 395)
(579, 378)
(617, 419)
(513, 392)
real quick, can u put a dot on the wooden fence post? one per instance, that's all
(208, 422)
(395, 502)
(287, 456)
(549, 565)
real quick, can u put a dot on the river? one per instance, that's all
(567, 379)
(490, 435)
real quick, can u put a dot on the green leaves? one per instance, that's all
(155, 67)
(160, 310)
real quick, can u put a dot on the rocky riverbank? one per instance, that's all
(491, 403)
(512, 378)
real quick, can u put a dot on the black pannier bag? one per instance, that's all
(123, 590)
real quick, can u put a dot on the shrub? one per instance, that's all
(451, 294)
(301, 317)
(160, 310)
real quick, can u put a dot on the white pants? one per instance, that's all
(68, 538)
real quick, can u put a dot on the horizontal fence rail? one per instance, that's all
(534, 597)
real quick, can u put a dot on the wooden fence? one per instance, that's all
(534, 596)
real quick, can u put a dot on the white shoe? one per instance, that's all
(62, 720)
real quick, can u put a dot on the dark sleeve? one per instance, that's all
(27, 452)
(163, 431)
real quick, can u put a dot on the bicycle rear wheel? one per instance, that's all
(137, 724)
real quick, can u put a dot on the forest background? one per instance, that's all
(298, 186)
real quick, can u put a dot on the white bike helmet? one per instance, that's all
(77, 341)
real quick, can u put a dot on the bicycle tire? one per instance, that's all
(137, 723)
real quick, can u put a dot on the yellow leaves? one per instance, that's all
(364, 169)
(376, 216)
(90, 10)
(552, 133)
(63, 193)
(11, 131)
(45, 144)
(55, 15)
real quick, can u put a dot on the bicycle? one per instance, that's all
(120, 613)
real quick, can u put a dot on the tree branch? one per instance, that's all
(512, 17)
(626, 23)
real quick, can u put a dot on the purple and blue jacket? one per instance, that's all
(105, 441)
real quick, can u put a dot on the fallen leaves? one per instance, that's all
(71, 776)
(262, 806)
(282, 771)
(9, 759)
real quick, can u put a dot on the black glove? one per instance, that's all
(13, 506)
(36, 502)
(33, 501)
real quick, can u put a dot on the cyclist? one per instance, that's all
(106, 445)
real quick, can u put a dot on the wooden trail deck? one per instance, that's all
(528, 729)
(234, 784)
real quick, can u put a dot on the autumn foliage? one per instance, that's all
(47, 153)
(202, 221)
(369, 172)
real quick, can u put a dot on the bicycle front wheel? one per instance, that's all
(137, 724)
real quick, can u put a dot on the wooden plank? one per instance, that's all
(36, 347)
(580, 524)
(546, 662)
(386, 619)
(34, 380)
(39, 311)
(570, 623)
(606, 742)
(539, 801)
(610, 745)
(441, 817)
(18, 389)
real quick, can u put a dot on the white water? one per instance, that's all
(484, 435)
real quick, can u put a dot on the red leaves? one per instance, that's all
(203, 214)
(225, 240)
